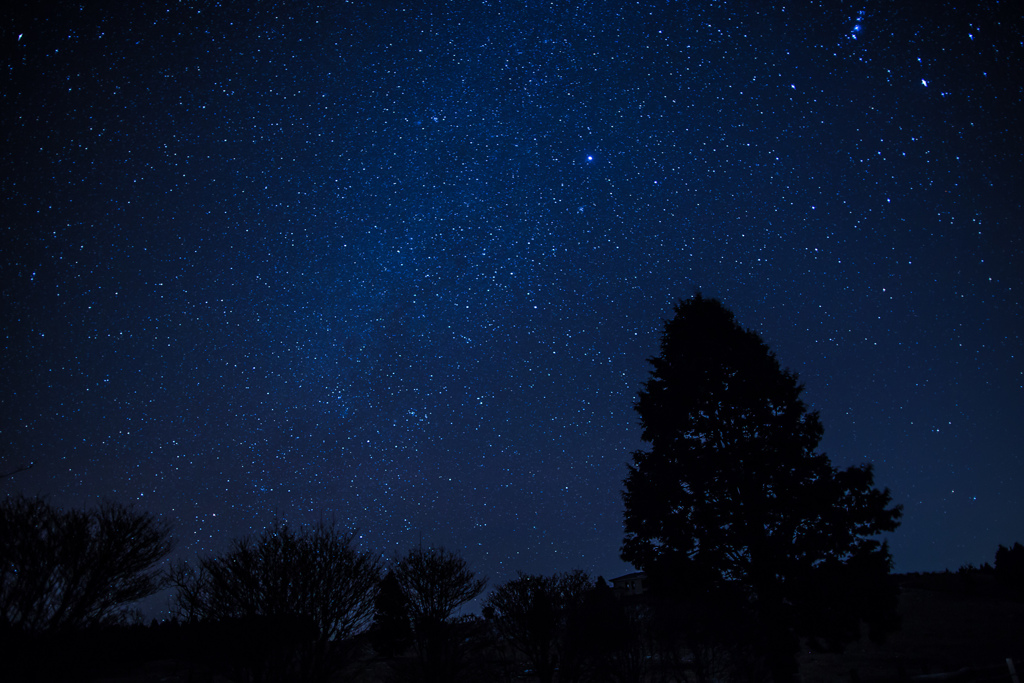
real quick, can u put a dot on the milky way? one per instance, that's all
(401, 264)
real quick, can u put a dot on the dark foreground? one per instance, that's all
(956, 626)
(951, 622)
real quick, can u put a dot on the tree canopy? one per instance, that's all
(315, 572)
(531, 612)
(732, 494)
(293, 598)
(72, 569)
(436, 584)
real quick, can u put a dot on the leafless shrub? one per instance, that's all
(70, 569)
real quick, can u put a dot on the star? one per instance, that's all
(326, 272)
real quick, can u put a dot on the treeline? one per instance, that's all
(753, 543)
(1003, 578)
(293, 604)
(305, 604)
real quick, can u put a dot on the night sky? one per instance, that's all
(401, 263)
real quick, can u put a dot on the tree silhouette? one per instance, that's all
(1009, 567)
(312, 585)
(437, 583)
(530, 612)
(63, 570)
(733, 498)
(391, 632)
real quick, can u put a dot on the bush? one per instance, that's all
(294, 600)
(64, 570)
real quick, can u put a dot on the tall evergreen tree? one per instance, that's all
(733, 499)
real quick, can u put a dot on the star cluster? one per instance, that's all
(401, 263)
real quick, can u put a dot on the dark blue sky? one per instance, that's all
(401, 263)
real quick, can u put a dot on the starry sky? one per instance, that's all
(401, 263)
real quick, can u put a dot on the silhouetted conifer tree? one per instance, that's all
(391, 633)
(732, 497)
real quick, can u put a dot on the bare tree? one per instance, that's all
(436, 584)
(70, 569)
(314, 582)
(530, 613)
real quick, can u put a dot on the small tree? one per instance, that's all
(391, 632)
(530, 613)
(314, 581)
(1009, 567)
(437, 583)
(732, 497)
(63, 570)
